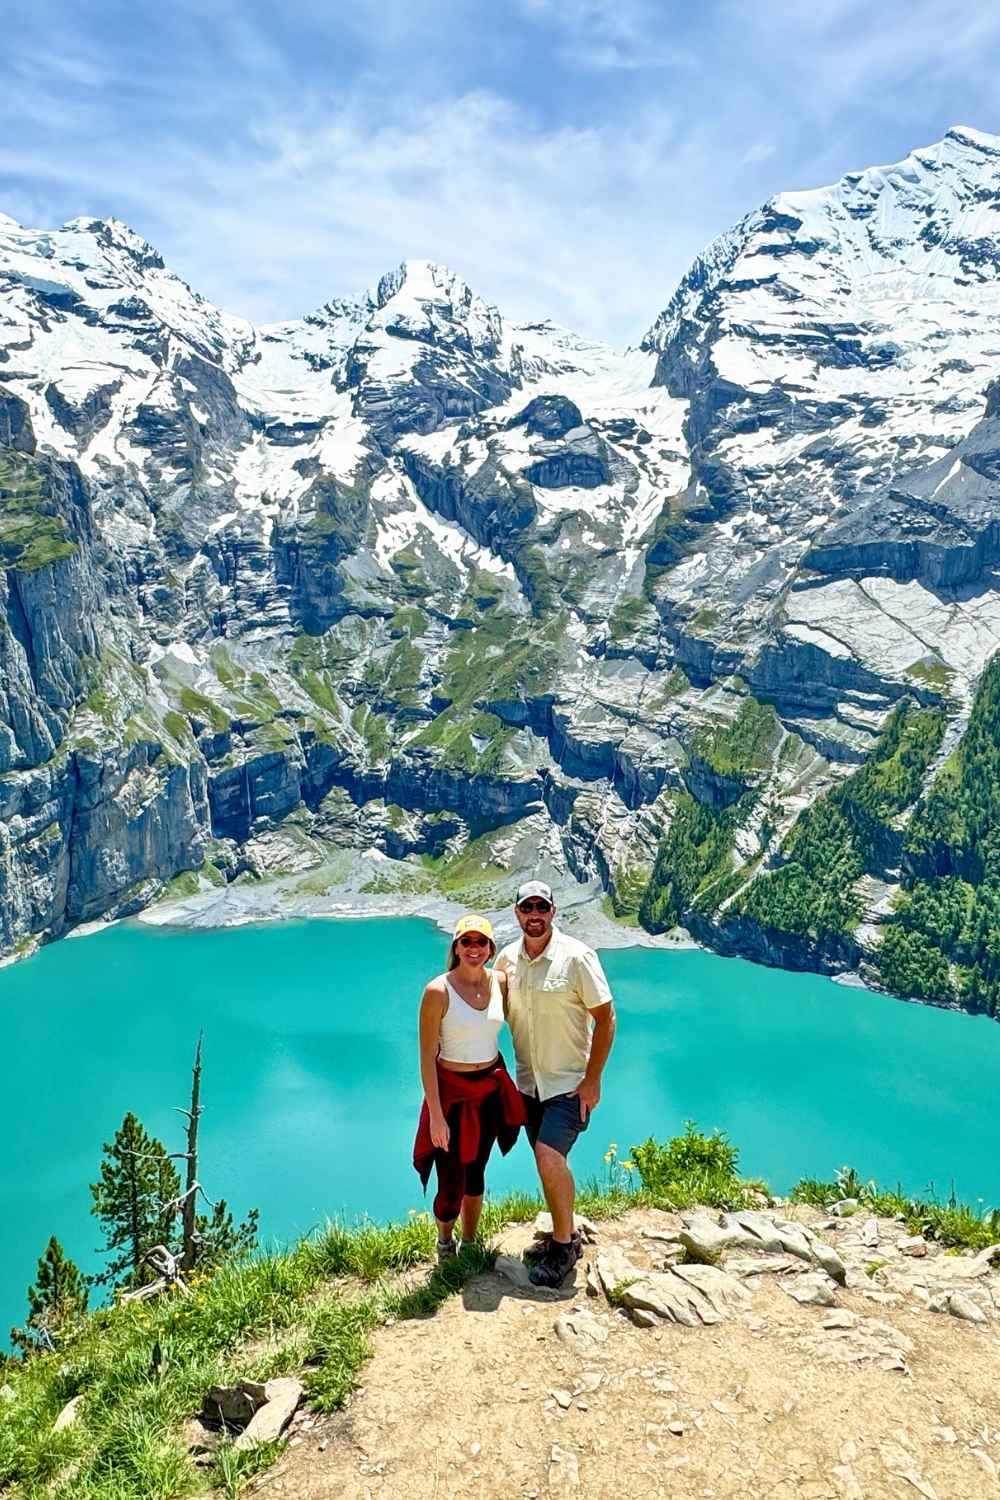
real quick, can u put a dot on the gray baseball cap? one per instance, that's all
(533, 888)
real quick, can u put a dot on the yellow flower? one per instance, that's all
(629, 1166)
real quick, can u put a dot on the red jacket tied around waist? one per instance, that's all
(470, 1092)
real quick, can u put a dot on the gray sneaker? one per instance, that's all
(447, 1250)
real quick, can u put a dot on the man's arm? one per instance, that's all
(589, 1088)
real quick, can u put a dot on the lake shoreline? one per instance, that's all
(237, 906)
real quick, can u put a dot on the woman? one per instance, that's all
(470, 1100)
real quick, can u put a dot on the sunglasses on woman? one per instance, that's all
(529, 906)
(473, 942)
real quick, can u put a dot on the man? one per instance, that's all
(562, 1019)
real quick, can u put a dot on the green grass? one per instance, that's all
(408, 620)
(235, 1467)
(177, 726)
(932, 672)
(471, 870)
(33, 534)
(409, 571)
(182, 885)
(319, 686)
(202, 709)
(374, 730)
(501, 659)
(947, 1221)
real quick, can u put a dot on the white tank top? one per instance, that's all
(469, 1035)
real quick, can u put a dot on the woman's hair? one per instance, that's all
(453, 958)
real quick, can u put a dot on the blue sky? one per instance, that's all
(568, 157)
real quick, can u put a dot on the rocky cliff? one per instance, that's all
(404, 575)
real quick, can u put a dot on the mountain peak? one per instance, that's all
(114, 233)
(966, 135)
(426, 281)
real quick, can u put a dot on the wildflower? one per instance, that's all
(628, 1165)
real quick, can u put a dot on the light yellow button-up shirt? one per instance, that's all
(549, 1000)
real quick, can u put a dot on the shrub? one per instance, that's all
(693, 1168)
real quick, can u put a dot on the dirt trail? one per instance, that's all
(870, 1397)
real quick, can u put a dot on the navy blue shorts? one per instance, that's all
(555, 1122)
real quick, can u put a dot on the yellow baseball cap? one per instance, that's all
(473, 924)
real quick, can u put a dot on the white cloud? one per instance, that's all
(630, 34)
(610, 144)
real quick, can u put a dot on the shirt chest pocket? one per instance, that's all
(556, 985)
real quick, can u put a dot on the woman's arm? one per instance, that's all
(432, 1008)
(502, 981)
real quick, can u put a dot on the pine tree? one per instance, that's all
(218, 1237)
(58, 1295)
(134, 1202)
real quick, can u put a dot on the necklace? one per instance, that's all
(478, 991)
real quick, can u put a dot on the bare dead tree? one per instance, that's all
(189, 1202)
(168, 1273)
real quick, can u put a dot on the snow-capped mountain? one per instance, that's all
(404, 574)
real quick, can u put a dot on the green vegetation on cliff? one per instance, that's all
(503, 659)
(833, 842)
(694, 867)
(694, 855)
(33, 534)
(741, 746)
(943, 942)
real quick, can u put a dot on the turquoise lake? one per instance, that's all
(311, 1087)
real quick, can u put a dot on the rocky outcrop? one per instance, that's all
(16, 431)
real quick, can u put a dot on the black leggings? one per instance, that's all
(455, 1179)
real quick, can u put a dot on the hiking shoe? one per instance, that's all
(447, 1250)
(538, 1251)
(556, 1264)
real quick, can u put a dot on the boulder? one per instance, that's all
(564, 1471)
(706, 1239)
(512, 1269)
(826, 1257)
(960, 1306)
(980, 1264)
(614, 1270)
(233, 1404)
(811, 1291)
(694, 1296)
(271, 1419)
(914, 1245)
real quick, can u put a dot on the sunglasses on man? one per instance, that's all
(527, 907)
